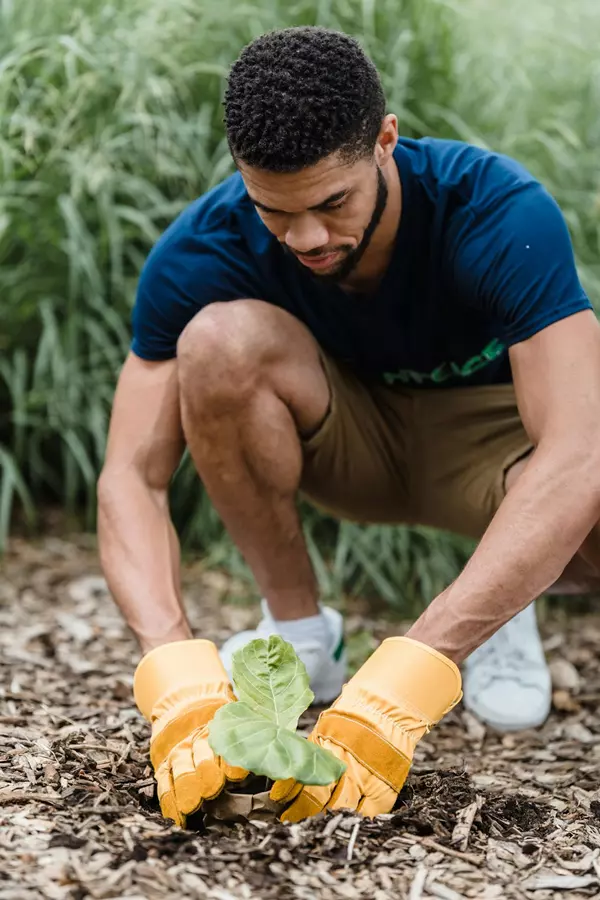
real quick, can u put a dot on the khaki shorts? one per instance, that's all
(433, 457)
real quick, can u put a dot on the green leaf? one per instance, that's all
(272, 681)
(257, 732)
(244, 737)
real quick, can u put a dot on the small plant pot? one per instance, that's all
(244, 802)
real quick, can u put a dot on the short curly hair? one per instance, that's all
(296, 95)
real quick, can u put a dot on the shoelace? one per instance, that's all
(501, 659)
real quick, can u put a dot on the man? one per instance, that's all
(396, 329)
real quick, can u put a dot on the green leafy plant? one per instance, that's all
(258, 732)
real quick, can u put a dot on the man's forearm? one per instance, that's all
(140, 557)
(537, 530)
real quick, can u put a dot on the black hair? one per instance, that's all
(298, 94)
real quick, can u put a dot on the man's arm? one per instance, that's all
(138, 545)
(553, 506)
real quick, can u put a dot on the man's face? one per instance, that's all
(324, 216)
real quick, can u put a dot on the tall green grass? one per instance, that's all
(110, 123)
(528, 84)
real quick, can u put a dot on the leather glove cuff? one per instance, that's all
(175, 675)
(403, 678)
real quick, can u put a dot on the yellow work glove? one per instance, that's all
(178, 687)
(402, 690)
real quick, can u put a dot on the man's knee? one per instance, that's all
(224, 347)
(231, 352)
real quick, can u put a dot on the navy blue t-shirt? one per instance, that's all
(482, 260)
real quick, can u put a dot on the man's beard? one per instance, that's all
(354, 255)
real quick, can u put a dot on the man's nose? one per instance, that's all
(306, 233)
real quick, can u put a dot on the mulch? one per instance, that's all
(482, 816)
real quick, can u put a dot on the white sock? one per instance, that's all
(311, 628)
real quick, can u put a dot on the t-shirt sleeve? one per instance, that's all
(516, 263)
(184, 273)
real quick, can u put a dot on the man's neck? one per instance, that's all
(367, 276)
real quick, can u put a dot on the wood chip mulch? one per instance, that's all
(483, 816)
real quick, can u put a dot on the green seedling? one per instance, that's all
(259, 731)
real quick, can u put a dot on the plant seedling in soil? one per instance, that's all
(259, 731)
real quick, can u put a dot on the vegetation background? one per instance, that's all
(110, 123)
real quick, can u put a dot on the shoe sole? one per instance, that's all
(509, 727)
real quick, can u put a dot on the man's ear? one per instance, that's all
(386, 139)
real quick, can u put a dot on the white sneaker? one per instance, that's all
(326, 668)
(507, 681)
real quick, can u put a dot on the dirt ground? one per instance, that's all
(482, 816)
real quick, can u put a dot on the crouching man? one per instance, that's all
(394, 328)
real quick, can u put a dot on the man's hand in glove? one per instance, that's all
(178, 687)
(402, 690)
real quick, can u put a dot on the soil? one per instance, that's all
(482, 815)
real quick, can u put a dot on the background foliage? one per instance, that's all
(110, 123)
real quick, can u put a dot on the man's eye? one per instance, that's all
(335, 206)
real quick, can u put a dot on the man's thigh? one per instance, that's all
(467, 440)
(429, 457)
(356, 465)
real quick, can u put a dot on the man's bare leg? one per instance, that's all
(251, 382)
